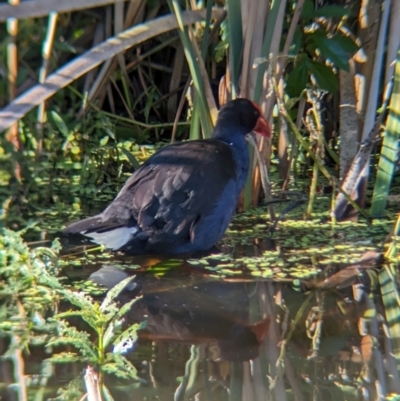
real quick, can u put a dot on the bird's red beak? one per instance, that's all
(262, 127)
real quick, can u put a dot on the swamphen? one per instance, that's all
(182, 198)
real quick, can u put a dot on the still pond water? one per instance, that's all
(257, 322)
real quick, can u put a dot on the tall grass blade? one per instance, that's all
(391, 302)
(48, 46)
(255, 79)
(269, 33)
(42, 8)
(392, 251)
(46, 53)
(12, 66)
(206, 29)
(248, 187)
(195, 71)
(390, 146)
(209, 96)
(195, 132)
(376, 73)
(236, 382)
(252, 189)
(235, 41)
(264, 175)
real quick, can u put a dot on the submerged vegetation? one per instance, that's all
(90, 91)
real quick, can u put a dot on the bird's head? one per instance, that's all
(247, 114)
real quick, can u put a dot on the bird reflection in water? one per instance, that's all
(192, 310)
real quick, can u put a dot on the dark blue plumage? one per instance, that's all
(181, 199)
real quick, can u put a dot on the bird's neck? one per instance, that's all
(235, 138)
(232, 135)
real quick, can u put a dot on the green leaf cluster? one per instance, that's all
(106, 320)
(318, 50)
(30, 288)
(27, 288)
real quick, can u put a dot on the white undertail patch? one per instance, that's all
(113, 239)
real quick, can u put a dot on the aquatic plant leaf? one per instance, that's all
(67, 332)
(346, 42)
(59, 122)
(118, 365)
(79, 299)
(298, 78)
(112, 329)
(89, 310)
(330, 49)
(83, 345)
(324, 77)
(72, 391)
(66, 357)
(127, 339)
(114, 292)
(126, 308)
(132, 159)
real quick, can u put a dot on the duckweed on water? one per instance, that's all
(297, 240)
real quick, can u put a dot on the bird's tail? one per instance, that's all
(113, 234)
(83, 226)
